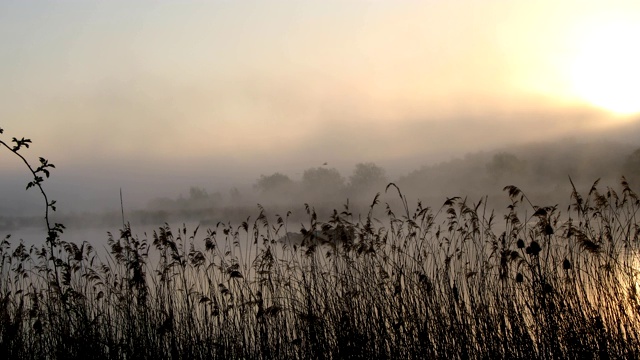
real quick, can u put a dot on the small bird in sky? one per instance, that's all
(325, 164)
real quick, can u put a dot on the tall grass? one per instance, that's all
(452, 282)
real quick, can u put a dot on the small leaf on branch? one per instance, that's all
(20, 143)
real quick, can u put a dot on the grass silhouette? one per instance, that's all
(454, 282)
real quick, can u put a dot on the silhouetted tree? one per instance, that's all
(367, 175)
(275, 183)
(322, 181)
(367, 179)
(196, 193)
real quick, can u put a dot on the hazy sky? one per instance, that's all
(152, 94)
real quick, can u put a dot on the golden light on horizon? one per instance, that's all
(606, 69)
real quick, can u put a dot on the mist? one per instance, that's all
(163, 99)
(208, 192)
(319, 179)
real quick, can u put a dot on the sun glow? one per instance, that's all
(606, 69)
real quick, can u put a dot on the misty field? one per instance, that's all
(453, 282)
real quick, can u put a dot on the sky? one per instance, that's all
(155, 96)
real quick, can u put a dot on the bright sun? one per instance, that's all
(606, 69)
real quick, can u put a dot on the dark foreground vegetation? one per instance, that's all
(453, 282)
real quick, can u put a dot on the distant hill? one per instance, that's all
(542, 170)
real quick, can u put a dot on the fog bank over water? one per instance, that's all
(159, 98)
(94, 185)
(154, 195)
(206, 192)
